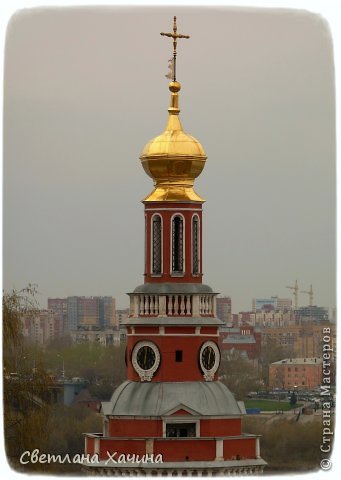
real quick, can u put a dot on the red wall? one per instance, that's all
(90, 445)
(170, 370)
(181, 330)
(126, 447)
(187, 210)
(244, 447)
(220, 427)
(135, 428)
(177, 450)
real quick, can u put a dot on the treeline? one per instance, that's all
(103, 367)
(287, 445)
(31, 422)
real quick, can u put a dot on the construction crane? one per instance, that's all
(311, 295)
(295, 293)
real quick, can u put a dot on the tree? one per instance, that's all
(25, 388)
(272, 352)
(293, 399)
(239, 375)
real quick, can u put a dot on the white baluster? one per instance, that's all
(182, 305)
(156, 306)
(162, 305)
(151, 304)
(146, 309)
(175, 310)
(141, 304)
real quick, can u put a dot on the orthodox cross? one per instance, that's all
(175, 37)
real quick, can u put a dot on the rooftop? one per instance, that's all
(299, 361)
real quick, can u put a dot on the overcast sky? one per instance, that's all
(85, 91)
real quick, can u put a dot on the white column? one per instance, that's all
(141, 304)
(219, 450)
(131, 308)
(136, 306)
(149, 446)
(257, 448)
(96, 446)
(162, 306)
(196, 306)
(214, 305)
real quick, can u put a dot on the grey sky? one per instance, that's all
(85, 90)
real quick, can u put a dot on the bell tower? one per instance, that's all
(172, 403)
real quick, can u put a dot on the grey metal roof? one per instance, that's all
(155, 399)
(227, 329)
(299, 361)
(172, 321)
(240, 339)
(173, 288)
(214, 464)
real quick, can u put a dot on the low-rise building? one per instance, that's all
(104, 337)
(301, 373)
(245, 338)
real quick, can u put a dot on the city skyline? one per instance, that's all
(78, 105)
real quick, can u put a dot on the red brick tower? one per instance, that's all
(172, 406)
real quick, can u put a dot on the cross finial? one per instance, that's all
(175, 37)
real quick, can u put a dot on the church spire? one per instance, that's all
(175, 37)
(173, 159)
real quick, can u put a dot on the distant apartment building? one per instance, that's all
(80, 311)
(224, 309)
(284, 304)
(301, 373)
(88, 311)
(244, 339)
(107, 312)
(43, 326)
(266, 318)
(312, 313)
(271, 304)
(59, 306)
(304, 340)
(72, 313)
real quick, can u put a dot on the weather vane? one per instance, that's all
(175, 37)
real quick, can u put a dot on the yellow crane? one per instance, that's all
(311, 295)
(295, 293)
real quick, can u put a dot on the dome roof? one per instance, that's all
(173, 143)
(155, 399)
(173, 159)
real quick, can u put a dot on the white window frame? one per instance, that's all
(153, 274)
(199, 246)
(173, 273)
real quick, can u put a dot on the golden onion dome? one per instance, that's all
(173, 159)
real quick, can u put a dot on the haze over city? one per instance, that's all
(82, 98)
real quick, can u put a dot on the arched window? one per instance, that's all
(157, 242)
(195, 245)
(177, 244)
